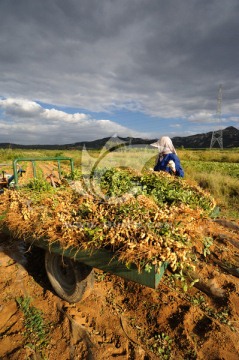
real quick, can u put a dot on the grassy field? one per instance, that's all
(214, 170)
(218, 172)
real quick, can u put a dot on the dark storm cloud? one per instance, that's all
(192, 49)
(165, 58)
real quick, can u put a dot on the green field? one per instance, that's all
(218, 172)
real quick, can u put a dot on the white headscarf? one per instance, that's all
(165, 146)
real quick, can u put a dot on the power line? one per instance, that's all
(217, 135)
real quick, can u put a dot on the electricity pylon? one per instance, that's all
(217, 135)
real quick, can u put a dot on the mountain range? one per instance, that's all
(230, 139)
(199, 141)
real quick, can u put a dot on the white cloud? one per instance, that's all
(20, 107)
(233, 119)
(56, 115)
(176, 125)
(26, 122)
(202, 116)
(212, 119)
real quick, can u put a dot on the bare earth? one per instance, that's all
(119, 319)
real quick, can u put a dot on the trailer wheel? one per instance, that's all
(69, 279)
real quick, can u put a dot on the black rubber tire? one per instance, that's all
(69, 279)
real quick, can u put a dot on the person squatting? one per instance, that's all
(168, 159)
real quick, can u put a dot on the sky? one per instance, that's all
(81, 70)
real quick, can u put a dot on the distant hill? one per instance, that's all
(230, 140)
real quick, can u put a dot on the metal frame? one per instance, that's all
(217, 136)
(33, 160)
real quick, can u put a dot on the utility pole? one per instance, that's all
(217, 135)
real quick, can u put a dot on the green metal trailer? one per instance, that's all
(33, 161)
(71, 271)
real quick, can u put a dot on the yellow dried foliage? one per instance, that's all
(135, 227)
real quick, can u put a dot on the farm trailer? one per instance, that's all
(71, 271)
(8, 180)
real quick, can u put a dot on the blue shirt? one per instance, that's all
(162, 165)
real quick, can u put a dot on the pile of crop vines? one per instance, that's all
(145, 218)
